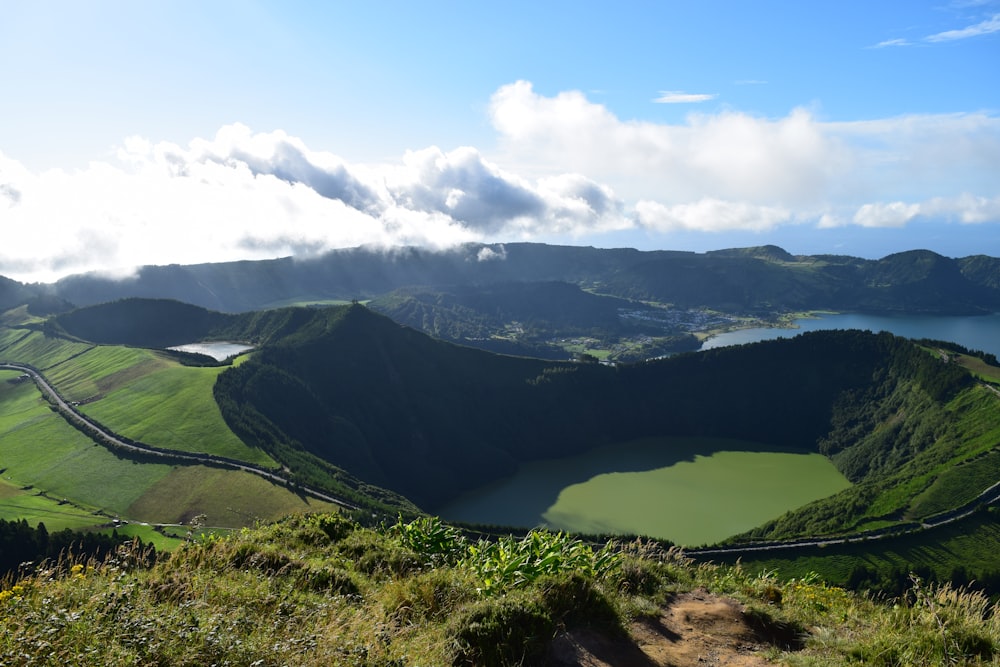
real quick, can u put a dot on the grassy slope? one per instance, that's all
(34, 507)
(971, 543)
(322, 591)
(138, 393)
(956, 435)
(41, 449)
(42, 351)
(226, 498)
(171, 406)
(38, 447)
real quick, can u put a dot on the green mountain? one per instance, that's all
(353, 402)
(429, 420)
(763, 279)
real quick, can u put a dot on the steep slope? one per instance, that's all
(141, 322)
(428, 419)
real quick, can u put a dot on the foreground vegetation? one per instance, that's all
(321, 590)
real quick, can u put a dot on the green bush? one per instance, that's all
(501, 632)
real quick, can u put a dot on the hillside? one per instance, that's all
(322, 590)
(764, 279)
(354, 403)
(536, 319)
(429, 420)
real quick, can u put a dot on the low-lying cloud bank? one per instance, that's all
(566, 169)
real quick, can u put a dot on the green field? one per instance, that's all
(146, 396)
(687, 490)
(35, 508)
(226, 498)
(38, 449)
(40, 350)
(141, 394)
(980, 368)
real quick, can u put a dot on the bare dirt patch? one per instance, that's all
(697, 629)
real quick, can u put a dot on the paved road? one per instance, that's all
(100, 434)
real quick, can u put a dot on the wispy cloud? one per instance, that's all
(986, 27)
(892, 42)
(680, 97)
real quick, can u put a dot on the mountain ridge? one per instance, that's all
(742, 279)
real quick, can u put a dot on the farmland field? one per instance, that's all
(38, 449)
(35, 508)
(145, 396)
(690, 491)
(227, 498)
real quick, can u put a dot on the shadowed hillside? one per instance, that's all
(745, 280)
(429, 419)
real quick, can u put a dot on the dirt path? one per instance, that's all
(697, 629)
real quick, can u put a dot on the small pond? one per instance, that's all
(217, 350)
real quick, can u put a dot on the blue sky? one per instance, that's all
(160, 132)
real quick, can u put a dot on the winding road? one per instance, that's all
(105, 437)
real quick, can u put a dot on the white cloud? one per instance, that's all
(710, 215)
(567, 168)
(488, 254)
(729, 155)
(986, 27)
(894, 214)
(680, 97)
(797, 161)
(964, 209)
(892, 42)
(258, 195)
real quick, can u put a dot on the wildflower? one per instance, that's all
(13, 593)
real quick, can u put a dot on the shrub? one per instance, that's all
(510, 563)
(573, 600)
(430, 538)
(500, 632)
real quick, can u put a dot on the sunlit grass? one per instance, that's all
(319, 590)
(42, 351)
(33, 507)
(38, 448)
(227, 498)
(172, 407)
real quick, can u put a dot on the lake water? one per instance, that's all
(219, 351)
(689, 490)
(980, 332)
(693, 491)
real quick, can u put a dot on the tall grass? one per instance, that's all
(321, 590)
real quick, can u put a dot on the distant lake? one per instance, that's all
(219, 351)
(688, 490)
(980, 332)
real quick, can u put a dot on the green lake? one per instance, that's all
(689, 491)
